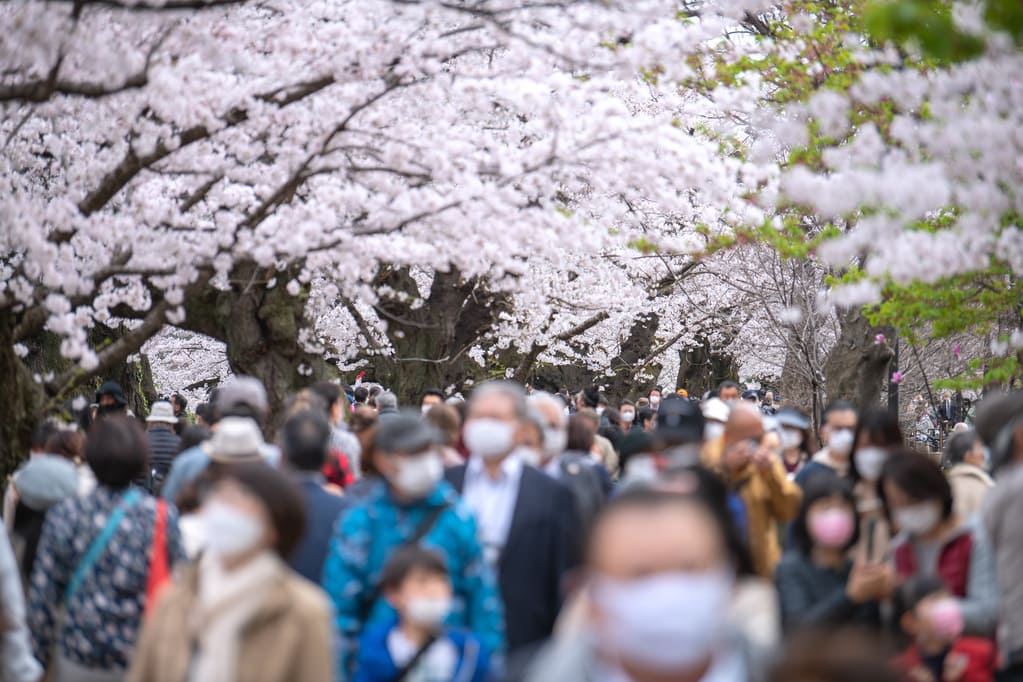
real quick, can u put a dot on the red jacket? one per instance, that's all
(979, 653)
(953, 561)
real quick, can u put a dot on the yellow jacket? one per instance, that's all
(769, 497)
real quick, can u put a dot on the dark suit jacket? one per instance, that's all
(322, 509)
(544, 542)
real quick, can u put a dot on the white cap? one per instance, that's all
(236, 439)
(162, 413)
(715, 409)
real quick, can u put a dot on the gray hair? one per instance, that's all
(541, 398)
(387, 400)
(507, 389)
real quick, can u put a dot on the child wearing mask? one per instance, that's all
(418, 647)
(940, 652)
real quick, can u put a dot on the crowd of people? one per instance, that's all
(516, 535)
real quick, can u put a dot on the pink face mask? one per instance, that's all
(832, 528)
(947, 619)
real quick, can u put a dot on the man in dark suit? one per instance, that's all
(948, 409)
(306, 442)
(527, 522)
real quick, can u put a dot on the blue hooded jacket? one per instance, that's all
(376, 664)
(365, 536)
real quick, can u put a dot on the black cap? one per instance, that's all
(679, 421)
(112, 389)
(751, 395)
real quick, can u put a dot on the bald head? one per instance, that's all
(745, 422)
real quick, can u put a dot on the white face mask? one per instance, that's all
(428, 612)
(627, 417)
(655, 400)
(791, 438)
(228, 531)
(600, 411)
(529, 456)
(918, 519)
(713, 431)
(489, 438)
(869, 462)
(841, 442)
(641, 468)
(417, 476)
(554, 441)
(424, 409)
(641, 618)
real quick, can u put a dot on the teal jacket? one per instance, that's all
(367, 533)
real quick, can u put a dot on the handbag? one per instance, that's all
(159, 566)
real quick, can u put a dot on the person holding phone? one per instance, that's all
(817, 582)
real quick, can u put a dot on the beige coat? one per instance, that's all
(970, 485)
(287, 638)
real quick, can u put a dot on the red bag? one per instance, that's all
(159, 567)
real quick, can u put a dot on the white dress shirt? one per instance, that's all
(492, 501)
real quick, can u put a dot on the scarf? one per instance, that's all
(227, 601)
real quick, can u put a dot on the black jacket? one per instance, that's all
(544, 543)
(812, 595)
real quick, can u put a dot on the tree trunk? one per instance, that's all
(22, 400)
(857, 367)
(261, 329)
(701, 369)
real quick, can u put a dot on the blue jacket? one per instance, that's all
(365, 536)
(376, 664)
(322, 510)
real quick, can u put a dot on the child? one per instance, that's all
(418, 647)
(940, 653)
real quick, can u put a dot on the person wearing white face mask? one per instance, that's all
(797, 444)
(410, 505)
(240, 613)
(839, 435)
(655, 398)
(417, 645)
(528, 521)
(933, 540)
(575, 469)
(661, 571)
(965, 459)
(877, 433)
(628, 412)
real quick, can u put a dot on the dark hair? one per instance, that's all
(591, 396)
(181, 400)
(644, 415)
(883, 428)
(405, 560)
(204, 410)
(365, 422)
(305, 438)
(836, 655)
(434, 392)
(117, 451)
(360, 394)
(916, 589)
(67, 443)
(659, 389)
(958, 445)
(919, 477)
(708, 492)
(728, 383)
(626, 402)
(836, 406)
(580, 434)
(243, 410)
(329, 391)
(281, 498)
(41, 434)
(818, 488)
(193, 435)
